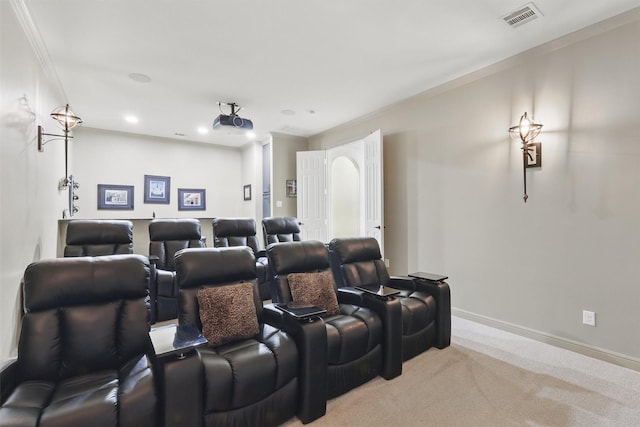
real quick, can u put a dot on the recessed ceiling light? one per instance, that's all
(251, 134)
(203, 130)
(131, 119)
(140, 78)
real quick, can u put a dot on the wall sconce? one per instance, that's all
(527, 130)
(67, 120)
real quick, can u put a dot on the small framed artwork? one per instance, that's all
(157, 189)
(292, 188)
(247, 192)
(191, 199)
(118, 197)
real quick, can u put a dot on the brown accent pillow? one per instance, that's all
(314, 288)
(228, 313)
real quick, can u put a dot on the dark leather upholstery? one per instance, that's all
(84, 345)
(98, 237)
(357, 261)
(228, 232)
(278, 229)
(355, 336)
(247, 382)
(168, 236)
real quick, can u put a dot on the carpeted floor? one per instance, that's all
(489, 377)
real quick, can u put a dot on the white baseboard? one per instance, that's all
(587, 350)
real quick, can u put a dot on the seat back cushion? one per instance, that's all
(235, 232)
(309, 256)
(82, 315)
(280, 229)
(212, 267)
(98, 238)
(168, 236)
(357, 261)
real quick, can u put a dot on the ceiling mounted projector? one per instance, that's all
(231, 122)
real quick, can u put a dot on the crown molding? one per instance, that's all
(30, 29)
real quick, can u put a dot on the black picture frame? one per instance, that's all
(192, 199)
(115, 197)
(157, 189)
(246, 191)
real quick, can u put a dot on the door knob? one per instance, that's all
(378, 227)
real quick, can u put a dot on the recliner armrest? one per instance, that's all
(350, 295)
(311, 340)
(442, 294)
(403, 282)
(390, 311)
(8, 377)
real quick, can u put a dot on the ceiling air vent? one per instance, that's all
(524, 14)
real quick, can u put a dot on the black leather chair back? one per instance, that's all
(83, 315)
(168, 236)
(357, 261)
(280, 229)
(207, 267)
(235, 232)
(308, 256)
(98, 238)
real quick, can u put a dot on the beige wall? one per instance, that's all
(283, 167)
(453, 187)
(30, 202)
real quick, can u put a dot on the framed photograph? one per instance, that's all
(191, 199)
(247, 192)
(118, 197)
(292, 188)
(157, 189)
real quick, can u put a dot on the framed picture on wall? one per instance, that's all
(292, 188)
(247, 192)
(191, 199)
(117, 197)
(157, 189)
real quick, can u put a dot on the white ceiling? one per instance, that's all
(324, 62)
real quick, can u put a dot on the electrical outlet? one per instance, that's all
(386, 262)
(588, 317)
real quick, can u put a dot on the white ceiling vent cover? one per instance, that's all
(524, 14)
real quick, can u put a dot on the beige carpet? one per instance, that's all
(492, 378)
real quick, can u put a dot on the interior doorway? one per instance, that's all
(340, 191)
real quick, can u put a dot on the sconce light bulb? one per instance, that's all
(65, 117)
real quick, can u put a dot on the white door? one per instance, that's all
(373, 188)
(312, 194)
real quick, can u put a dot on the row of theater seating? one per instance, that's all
(85, 356)
(167, 236)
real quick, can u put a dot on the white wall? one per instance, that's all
(453, 189)
(30, 202)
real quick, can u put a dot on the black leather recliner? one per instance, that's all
(278, 229)
(83, 354)
(229, 232)
(168, 236)
(98, 237)
(362, 338)
(248, 381)
(426, 308)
